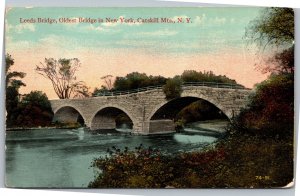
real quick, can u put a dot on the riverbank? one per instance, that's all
(38, 128)
(237, 161)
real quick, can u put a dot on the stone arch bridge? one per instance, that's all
(143, 107)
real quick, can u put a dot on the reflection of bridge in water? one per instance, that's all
(147, 108)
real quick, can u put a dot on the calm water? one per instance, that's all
(62, 158)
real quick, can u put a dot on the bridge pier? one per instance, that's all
(103, 122)
(154, 127)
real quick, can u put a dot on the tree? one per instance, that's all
(61, 73)
(206, 76)
(108, 82)
(11, 76)
(37, 98)
(282, 62)
(271, 109)
(34, 110)
(12, 88)
(11, 104)
(172, 88)
(274, 28)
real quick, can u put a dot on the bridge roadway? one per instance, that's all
(143, 107)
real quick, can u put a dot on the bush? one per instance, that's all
(271, 109)
(149, 168)
(172, 88)
(34, 110)
(239, 161)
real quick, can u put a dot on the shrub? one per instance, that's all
(172, 88)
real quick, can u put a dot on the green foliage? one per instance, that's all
(172, 88)
(137, 80)
(12, 89)
(11, 103)
(11, 76)
(34, 110)
(194, 76)
(37, 98)
(274, 27)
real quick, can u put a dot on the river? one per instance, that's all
(62, 157)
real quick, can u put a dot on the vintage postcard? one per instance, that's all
(199, 97)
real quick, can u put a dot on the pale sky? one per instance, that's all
(214, 41)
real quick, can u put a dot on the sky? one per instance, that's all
(213, 40)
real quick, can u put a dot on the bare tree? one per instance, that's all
(61, 73)
(108, 81)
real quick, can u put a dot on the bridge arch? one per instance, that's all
(68, 114)
(105, 117)
(190, 99)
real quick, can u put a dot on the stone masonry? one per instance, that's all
(141, 106)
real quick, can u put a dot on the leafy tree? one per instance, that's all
(274, 28)
(209, 76)
(11, 103)
(34, 110)
(12, 75)
(157, 80)
(37, 98)
(13, 83)
(131, 81)
(271, 108)
(282, 62)
(172, 88)
(61, 73)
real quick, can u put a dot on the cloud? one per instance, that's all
(203, 20)
(8, 27)
(110, 24)
(199, 20)
(20, 28)
(218, 20)
(99, 29)
(164, 32)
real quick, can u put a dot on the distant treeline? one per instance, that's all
(136, 80)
